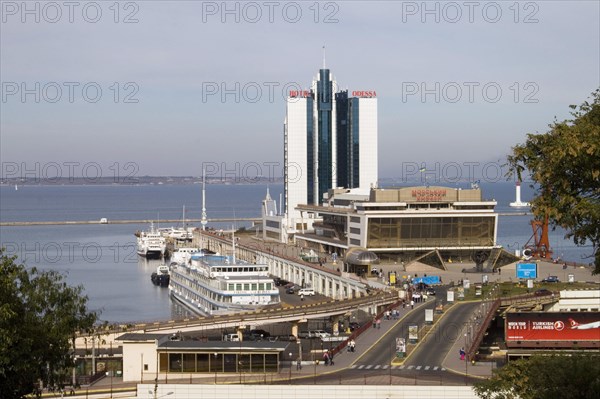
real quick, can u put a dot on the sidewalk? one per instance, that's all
(453, 363)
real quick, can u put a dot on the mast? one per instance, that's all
(203, 220)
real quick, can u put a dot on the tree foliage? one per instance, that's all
(565, 165)
(574, 376)
(39, 317)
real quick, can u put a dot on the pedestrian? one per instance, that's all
(374, 323)
(331, 358)
(379, 324)
(298, 364)
(352, 345)
(412, 304)
(326, 358)
(301, 297)
(462, 353)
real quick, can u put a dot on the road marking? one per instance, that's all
(435, 368)
(376, 367)
(368, 367)
(402, 366)
(419, 367)
(426, 367)
(410, 367)
(443, 369)
(353, 366)
(385, 366)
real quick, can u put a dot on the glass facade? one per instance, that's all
(325, 154)
(219, 362)
(418, 232)
(341, 106)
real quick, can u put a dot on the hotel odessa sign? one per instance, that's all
(429, 195)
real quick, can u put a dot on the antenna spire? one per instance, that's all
(203, 220)
(324, 58)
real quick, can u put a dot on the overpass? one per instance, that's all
(293, 314)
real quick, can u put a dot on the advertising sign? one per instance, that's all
(450, 296)
(530, 283)
(400, 347)
(392, 278)
(527, 270)
(571, 278)
(413, 333)
(429, 280)
(552, 326)
(461, 293)
(429, 316)
(466, 284)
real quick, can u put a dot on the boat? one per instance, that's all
(183, 254)
(219, 284)
(161, 276)
(151, 244)
(182, 233)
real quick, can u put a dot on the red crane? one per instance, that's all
(541, 245)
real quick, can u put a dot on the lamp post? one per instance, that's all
(466, 362)
(290, 379)
(214, 367)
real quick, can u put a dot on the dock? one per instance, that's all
(142, 221)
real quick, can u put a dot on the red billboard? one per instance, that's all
(552, 326)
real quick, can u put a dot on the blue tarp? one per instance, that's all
(429, 280)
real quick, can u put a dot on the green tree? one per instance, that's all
(565, 165)
(39, 317)
(574, 376)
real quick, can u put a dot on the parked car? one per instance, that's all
(280, 282)
(306, 291)
(542, 292)
(430, 291)
(292, 289)
(353, 326)
(314, 334)
(551, 279)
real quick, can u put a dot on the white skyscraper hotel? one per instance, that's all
(330, 141)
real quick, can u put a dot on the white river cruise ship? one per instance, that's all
(218, 284)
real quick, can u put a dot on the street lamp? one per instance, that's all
(466, 362)
(155, 393)
(290, 380)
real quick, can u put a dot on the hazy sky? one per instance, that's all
(189, 82)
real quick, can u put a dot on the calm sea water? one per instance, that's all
(102, 258)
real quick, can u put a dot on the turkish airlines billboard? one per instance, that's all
(552, 326)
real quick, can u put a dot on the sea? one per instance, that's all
(102, 257)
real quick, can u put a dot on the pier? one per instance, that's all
(142, 221)
(169, 221)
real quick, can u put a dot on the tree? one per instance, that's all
(565, 165)
(540, 377)
(39, 317)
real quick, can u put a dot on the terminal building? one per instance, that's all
(434, 225)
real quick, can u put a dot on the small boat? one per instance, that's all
(161, 276)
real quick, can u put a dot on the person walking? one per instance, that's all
(352, 345)
(412, 304)
(379, 324)
(462, 353)
(330, 358)
(298, 364)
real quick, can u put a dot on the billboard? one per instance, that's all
(527, 270)
(552, 326)
(413, 333)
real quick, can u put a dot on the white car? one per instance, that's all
(306, 291)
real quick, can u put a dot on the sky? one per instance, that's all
(167, 87)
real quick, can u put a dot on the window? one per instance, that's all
(145, 367)
(189, 362)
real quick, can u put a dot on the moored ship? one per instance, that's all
(151, 244)
(218, 284)
(161, 276)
